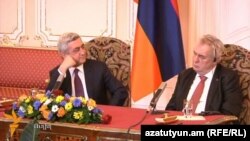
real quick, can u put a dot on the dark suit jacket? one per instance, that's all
(98, 79)
(224, 94)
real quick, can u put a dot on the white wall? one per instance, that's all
(39, 23)
(227, 19)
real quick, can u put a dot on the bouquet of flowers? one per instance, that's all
(53, 106)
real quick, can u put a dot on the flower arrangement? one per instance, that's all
(53, 106)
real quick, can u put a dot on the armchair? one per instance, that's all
(116, 54)
(238, 58)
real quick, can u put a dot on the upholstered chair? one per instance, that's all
(116, 54)
(238, 58)
(23, 69)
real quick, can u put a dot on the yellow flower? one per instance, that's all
(27, 100)
(43, 99)
(39, 96)
(68, 106)
(84, 101)
(78, 115)
(59, 99)
(30, 109)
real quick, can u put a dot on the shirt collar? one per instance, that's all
(209, 74)
(80, 68)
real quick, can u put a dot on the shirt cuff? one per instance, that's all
(64, 75)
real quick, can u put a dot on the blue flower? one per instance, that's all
(48, 93)
(97, 111)
(67, 96)
(20, 113)
(50, 115)
(14, 106)
(63, 103)
(37, 104)
(77, 102)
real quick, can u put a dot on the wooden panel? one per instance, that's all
(73, 132)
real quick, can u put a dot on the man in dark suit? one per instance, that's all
(221, 92)
(94, 77)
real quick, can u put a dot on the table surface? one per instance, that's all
(124, 117)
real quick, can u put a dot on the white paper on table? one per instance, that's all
(190, 118)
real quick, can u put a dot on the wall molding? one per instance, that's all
(80, 19)
(11, 37)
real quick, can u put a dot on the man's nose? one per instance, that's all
(83, 50)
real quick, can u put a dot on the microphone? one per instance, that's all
(156, 97)
(58, 82)
(151, 106)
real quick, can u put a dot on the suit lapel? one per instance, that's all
(67, 83)
(88, 79)
(188, 83)
(215, 83)
(184, 85)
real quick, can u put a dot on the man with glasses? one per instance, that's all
(84, 77)
(210, 86)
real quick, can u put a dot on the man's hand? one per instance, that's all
(68, 62)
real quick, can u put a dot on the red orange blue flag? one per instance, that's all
(158, 50)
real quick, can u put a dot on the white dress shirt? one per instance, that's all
(82, 77)
(202, 103)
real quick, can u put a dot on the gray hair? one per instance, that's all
(215, 43)
(65, 39)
